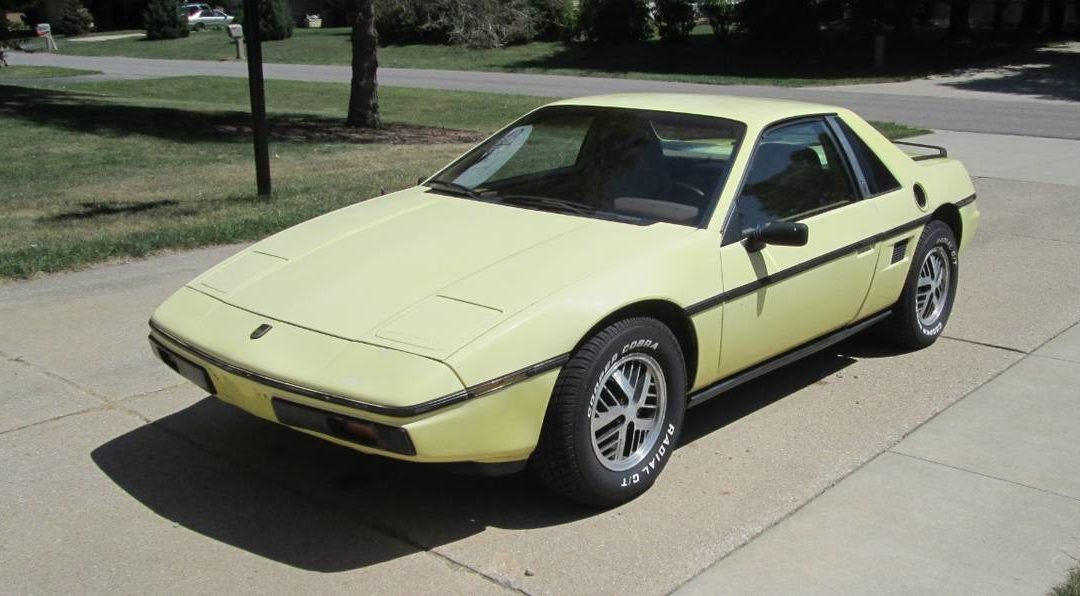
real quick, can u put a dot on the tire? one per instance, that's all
(604, 464)
(199, 27)
(917, 323)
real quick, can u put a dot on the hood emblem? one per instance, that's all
(260, 331)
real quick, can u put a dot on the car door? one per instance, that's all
(778, 297)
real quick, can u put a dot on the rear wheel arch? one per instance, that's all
(949, 214)
(671, 315)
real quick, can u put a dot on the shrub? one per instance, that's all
(275, 20)
(75, 19)
(675, 19)
(722, 16)
(615, 21)
(554, 19)
(781, 24)
(163, 20)
(474, 23)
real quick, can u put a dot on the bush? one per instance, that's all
(781, 24)
(722, 16)
(615, 21)
(163, 20)
(554, 19)
(473, 23)
(275, 20)
(675, 19)
(411, 21)
(75, 19)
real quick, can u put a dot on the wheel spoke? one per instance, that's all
(628, 409)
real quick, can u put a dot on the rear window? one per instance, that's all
(878, 178)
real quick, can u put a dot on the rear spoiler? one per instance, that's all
(939, 152)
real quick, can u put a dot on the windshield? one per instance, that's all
(639, 164)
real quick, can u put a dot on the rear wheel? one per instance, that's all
(920, 315)
(615, 414)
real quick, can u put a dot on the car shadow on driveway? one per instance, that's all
(303, 502)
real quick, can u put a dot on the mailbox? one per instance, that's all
(236, 31)
(43, 29)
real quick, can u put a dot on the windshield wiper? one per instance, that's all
(548, 203)
(454, 188)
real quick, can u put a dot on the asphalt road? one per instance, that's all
(948, 109)
(120, 476)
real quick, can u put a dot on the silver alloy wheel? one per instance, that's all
(627, 408)
(932, 291)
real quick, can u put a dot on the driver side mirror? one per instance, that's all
(781, 233)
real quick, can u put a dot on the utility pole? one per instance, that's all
(256, 88)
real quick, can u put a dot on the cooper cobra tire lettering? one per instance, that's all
(577, 460)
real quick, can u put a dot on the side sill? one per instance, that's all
(782, 360)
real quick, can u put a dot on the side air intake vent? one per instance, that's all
(898, 251)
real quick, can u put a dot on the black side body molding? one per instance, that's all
(784, 359)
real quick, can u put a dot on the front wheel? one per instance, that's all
(920, 315)
(615, 414)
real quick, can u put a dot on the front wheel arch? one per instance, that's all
(670, 314)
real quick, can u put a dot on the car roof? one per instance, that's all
(753, 111)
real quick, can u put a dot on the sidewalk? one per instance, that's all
(982, 499)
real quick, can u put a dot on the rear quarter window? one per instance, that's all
(878, 177)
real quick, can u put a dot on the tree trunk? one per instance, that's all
(1031, 18)
(364, 91)
(959, 17)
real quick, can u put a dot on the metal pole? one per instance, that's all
(258, 96)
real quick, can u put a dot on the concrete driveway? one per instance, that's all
(119, 476)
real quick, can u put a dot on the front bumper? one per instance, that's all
(501, 425)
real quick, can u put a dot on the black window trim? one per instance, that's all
(855, 165)
(728, 236)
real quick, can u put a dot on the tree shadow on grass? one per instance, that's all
(93, 209)
(289, 497)
(85, 113)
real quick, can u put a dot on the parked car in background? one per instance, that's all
(201, 16)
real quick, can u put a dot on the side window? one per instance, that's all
(878, 178)
(795, 172)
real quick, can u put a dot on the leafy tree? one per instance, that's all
(722, 16)
(675, 19)
(781, 24)
(75, 19)
(275, 20)
(363, 91)
(615, 21)
(163, 20)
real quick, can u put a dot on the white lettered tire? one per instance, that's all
(615, 414)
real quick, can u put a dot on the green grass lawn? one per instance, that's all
(1071, 585)
(700, 60)
(39, 72)
(96, 171)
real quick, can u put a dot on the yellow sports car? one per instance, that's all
(559, 296)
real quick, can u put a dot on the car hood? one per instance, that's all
(419, 271)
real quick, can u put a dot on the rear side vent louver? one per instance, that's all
(898, 250)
